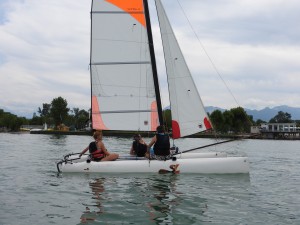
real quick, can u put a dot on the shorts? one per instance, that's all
(161, 157)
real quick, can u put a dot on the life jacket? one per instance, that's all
(139, 149)
(95, 152)
(162, 145)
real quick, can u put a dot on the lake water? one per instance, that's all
(31, 191)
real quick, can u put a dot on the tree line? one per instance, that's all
(54, 113)
(11, 122)
(57, 112)
(234, 120)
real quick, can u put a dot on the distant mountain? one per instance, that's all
(210, 109)
(268, 113)
(265, 114)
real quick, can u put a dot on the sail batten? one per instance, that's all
(120, 63)
(118, 12)
(128, 111)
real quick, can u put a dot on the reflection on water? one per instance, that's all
(97, 187)
(268, 195)
(159, 199)
(149, 199)
(164, 198)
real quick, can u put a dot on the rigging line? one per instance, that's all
(206, 53)
(205, 146)
(218, 143)
(99, 88)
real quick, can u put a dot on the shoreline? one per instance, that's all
(114, 133)
(129, 134)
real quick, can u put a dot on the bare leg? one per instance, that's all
(174, 168)
(110, 157)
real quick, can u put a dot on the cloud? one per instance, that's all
(44, 54)
(254, 45)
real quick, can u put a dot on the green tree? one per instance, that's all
(79, 118)
(59, 110)
(167, 118)
(259, 122)
(36, 120)
(281, 117)
(218, 120)
(241, 121)
(82, 119)
(10, 121)
(45, 113)
(228, 121)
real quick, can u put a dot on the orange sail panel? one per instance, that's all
(154, 116)
(133, 7)
(96, 116)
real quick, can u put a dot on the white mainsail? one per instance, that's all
(123, 93)
(188, 113)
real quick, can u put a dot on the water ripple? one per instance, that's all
(33, 193)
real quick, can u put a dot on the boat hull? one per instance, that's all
(217, 165)
(75, 157)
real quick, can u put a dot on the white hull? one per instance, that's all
(216, 165)
(178, 156)
(201, 155)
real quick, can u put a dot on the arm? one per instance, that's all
(102, 147)
(84, 151)
(132, 151)
(143, 142)
(151, 143)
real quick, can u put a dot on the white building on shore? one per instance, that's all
(277, 130)
(279, 127)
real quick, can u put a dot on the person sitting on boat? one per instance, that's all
(98, 151)
(139, 146)
(161, 142)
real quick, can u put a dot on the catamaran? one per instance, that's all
(125, 93)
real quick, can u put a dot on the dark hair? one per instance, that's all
(160, 129)
(136, 136)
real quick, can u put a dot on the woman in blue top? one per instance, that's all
(161, 142)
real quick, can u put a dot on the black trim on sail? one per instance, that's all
(120, 63)
(152, 55)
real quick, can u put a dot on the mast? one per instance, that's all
(91, 112)
(153, 62)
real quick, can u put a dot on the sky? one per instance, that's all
(240, 52)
